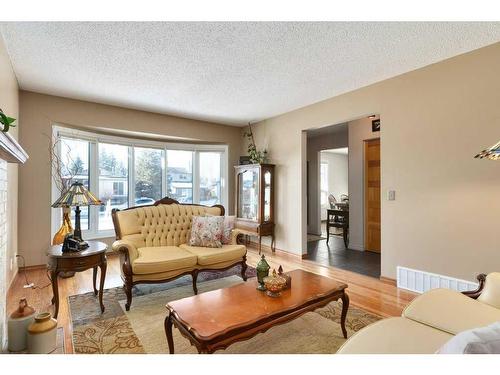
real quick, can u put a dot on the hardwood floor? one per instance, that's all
(336, 255)
(366, 292)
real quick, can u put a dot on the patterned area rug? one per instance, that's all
(140, 330)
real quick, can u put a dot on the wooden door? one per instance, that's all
(372, 195)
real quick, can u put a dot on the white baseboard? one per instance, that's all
(422, 281)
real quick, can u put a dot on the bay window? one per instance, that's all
(125, 172)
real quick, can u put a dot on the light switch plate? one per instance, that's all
(391, 195)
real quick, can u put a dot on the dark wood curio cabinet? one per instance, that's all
(255, 201)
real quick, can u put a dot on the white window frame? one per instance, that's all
(94, 139)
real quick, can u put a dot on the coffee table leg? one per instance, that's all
(345, 306)
(168, 332)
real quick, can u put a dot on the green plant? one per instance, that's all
(6, 121)
(256, 156)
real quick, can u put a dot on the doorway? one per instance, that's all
(334, 170)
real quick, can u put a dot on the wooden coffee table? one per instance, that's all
(214, 320)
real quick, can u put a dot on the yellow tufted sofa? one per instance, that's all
(152, 242)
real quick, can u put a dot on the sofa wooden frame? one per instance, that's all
(474, 294)
(126, 265)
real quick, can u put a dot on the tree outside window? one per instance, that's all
(148, 175)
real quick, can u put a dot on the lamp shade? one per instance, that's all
(492, 153)
(77, 195)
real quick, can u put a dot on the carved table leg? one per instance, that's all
(194, 275)
(244, 268)
(168, 332)
(55, 291)
(103, 267)
(94, 279)
(345, 306)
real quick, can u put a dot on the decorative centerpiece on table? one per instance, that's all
(274, 284)
(262, 271)
(286, 277)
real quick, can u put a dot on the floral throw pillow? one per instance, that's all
(207, 231)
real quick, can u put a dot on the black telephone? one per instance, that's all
(72, 244)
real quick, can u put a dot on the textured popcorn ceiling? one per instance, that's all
(226, 72)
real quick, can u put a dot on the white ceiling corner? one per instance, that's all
(226, 72)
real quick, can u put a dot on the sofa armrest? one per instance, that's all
(234, 236)
(474, 294)
(490, 293)
(127, 248)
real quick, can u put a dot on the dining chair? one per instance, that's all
(332, 200)
(338, 219)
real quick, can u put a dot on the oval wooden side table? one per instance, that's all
(92, 257)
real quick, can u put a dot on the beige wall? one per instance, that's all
(40, 112)
(444, 218)
(9, 102)
(359, 131)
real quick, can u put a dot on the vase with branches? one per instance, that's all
(256, 156)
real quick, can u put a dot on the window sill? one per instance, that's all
(99, 235)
